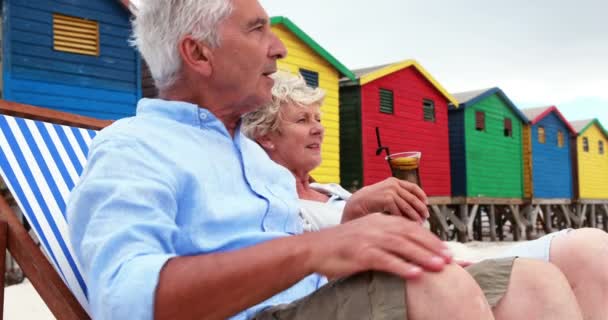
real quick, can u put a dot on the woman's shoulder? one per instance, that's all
(331, 189)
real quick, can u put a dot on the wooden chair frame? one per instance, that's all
(13, 236)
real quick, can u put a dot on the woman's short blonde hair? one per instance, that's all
(288, 88)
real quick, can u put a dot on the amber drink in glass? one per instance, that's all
(405, 166)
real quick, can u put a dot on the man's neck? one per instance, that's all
(224, 112)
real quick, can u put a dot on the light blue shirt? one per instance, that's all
(171, 181)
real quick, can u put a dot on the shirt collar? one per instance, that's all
(180, 111)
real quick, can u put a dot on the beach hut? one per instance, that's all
(547, 155)
(486, 145)
(410, 108)
(320, 69)
(591, 160)
(72, 56)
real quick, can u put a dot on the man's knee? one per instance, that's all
(537, 290)
(582, 253)
(538, 280)
(450, 293)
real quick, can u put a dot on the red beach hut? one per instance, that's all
(411, 110)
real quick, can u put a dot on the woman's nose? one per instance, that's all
(317, 129)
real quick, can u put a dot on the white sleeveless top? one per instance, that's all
(317, 215)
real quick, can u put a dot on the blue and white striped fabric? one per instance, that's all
(40, 163)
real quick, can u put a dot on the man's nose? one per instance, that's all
(277, 48)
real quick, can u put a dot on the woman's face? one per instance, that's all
(297, 143)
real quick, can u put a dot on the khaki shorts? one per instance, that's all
(379, 296)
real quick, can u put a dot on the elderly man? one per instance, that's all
(179, 216)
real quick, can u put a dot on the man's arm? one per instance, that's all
(216, 286)
(122, 224)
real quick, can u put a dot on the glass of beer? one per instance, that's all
(405, 166)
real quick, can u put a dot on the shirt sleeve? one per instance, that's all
(122, 219)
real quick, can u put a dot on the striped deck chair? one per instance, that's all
(40, 162)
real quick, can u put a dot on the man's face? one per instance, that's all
(246, 56)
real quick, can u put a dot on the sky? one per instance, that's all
(540, 53)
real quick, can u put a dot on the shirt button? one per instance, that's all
(203, 116)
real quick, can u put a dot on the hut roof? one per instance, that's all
(534, 115)
(469, 98)
(366, 75)
(312, 44)
(582, 125)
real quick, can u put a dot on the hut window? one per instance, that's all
(585, 144)
(508, 130)
(311, 77)
(601, 147)
(560, 139)
(480, 120)
(386, 101)
(75, 35)
(541, 134)
(428, 108)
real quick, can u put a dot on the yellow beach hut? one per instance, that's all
(591, 160)
(320, 69)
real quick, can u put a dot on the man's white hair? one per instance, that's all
(160, 24)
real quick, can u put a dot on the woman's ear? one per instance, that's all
(266, 143)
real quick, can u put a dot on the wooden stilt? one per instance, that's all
(492, 216)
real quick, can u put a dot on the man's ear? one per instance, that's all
(196, 55)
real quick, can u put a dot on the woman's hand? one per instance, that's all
(376, 242)
(392, 196)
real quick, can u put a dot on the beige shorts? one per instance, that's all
(379, 296)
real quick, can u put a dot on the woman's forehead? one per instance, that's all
(294, 107)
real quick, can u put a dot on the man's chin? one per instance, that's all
(257, 102)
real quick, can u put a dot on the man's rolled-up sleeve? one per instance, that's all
(122, 226)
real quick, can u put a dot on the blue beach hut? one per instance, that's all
(70, 55)
(547, 154)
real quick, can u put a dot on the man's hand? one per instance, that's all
(376, 242)
(393, 196)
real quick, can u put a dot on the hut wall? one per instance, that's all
(593, 166)
(527, 165)
(406, 130)
(105, 86)
(552, 167)
(458, 164)
(351, 157)
(494, 162)
(302, 56)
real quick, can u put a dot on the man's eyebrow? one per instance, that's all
(257, 22)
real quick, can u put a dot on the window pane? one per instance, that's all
(480, 120)
(541, 134)
(386, 101)
(75, 35)
(508, 127)
(429, 110)
(311, 77)
(560, 139)
(585, 144)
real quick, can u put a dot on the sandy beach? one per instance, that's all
(21, 301)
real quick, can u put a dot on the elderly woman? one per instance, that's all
(290, 131)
